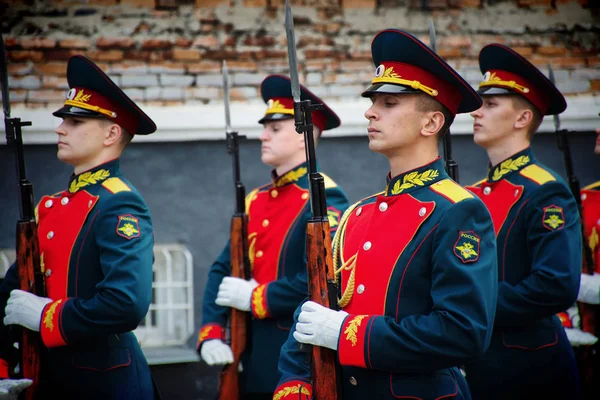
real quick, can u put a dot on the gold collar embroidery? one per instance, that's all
(289, 177)
(88, 178)
(508, 166)
(414, 179)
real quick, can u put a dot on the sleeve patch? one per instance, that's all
(467, 246)
(128, 226)
(553, 218)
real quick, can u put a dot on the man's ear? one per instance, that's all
(434, 122)
(112, 135)
(524, 118)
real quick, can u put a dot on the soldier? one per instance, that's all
(538, 237)
(277, 216)
(96, 246)
(417, 261)
(589, 292)
(582, 329)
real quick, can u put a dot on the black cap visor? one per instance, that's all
(389, 88)
(490, 90)
(274, 117)
(70, 111)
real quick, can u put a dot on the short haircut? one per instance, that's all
(427, 103)
(520, 103)
(126, 137)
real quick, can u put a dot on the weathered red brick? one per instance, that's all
(321, 53)
(551, 51)
(361, 55)
(138, 55)
(595, 85)
(206, 41)
(359, 3)
(10, 42)
(60, 55)
(107, 55)
(74, 43)
(221, 54)
(304, 41)
(209, 3)
(467, 3)
(455, 41)
(255, 3)
(528, 3)
(203, 67)
(139, 3)
(115, 42)
(102, 2)
(51, 68)
(37, 43)
(326, 13)
(183, 42)
(262, 41)
(244, 66)
(593, 62)
(19, 69)
(449, 53)
(54, 82)
(153, 44)
(185, 54)
(525, 51)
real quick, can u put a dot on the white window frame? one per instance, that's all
(161, 326)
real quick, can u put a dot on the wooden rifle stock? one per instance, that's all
(229, 388)
(28, 266)
(322, 290)
(239, 321)
(28, 262)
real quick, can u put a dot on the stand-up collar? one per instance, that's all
(416, 178)
(511, 165)
(93, 176)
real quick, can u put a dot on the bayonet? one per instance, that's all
(226, 97)
(555, 117)
(432, 38)
(322, 285)
(450, 165)
(291, 45)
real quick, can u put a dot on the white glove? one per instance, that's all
(10, 388)
(589, 290)
(318, 325)
(215, 352)
(25, 309)
(236, 293)
(577, 337)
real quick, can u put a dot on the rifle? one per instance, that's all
(239, 329)
(321, 277)
(562, 143)
(29, 269)
(588, 313)
(450, 164)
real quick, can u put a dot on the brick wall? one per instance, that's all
(169, 52)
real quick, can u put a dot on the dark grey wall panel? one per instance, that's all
(188, 186)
